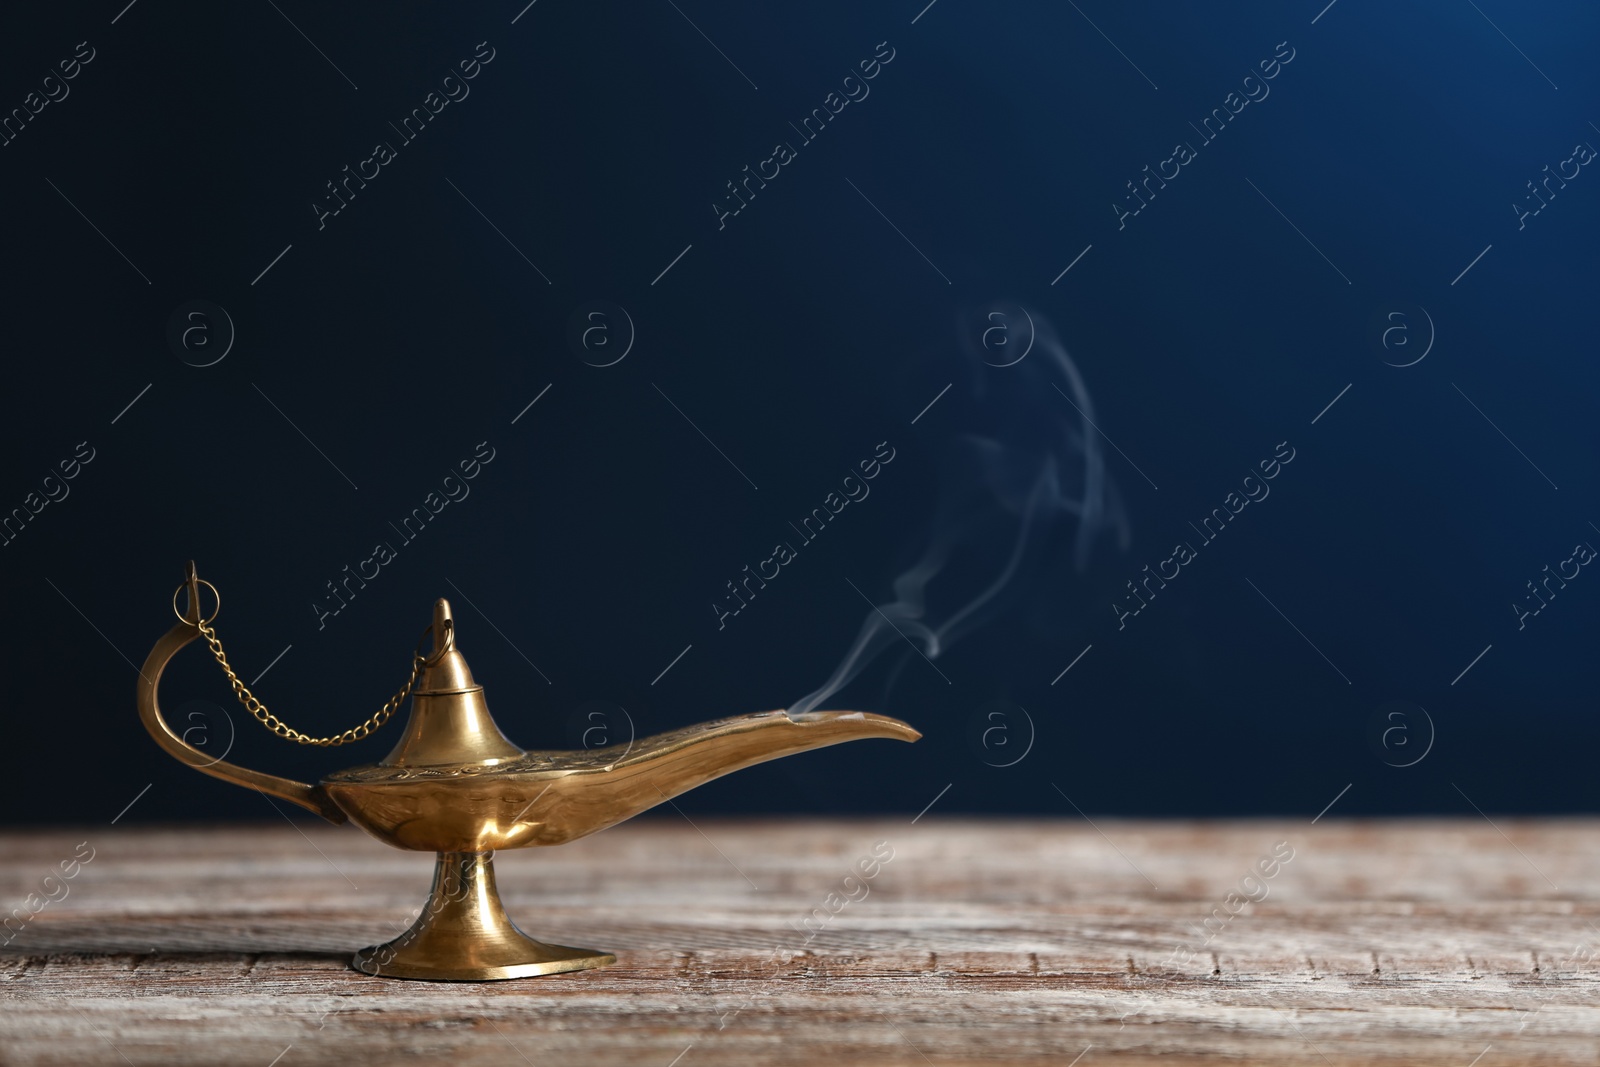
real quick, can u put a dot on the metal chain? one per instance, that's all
(283, 729)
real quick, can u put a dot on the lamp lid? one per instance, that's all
(450, 721)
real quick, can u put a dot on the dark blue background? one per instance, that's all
(797, 338)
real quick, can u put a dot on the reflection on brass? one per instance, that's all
(454, 785)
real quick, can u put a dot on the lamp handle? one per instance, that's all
(311, 797)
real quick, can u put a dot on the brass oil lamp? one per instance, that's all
(456, 786)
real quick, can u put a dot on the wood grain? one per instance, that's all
(1024, 942)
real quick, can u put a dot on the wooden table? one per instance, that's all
(1438, 942)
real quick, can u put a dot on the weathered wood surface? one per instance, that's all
(1412, 943)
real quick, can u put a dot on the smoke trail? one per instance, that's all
(1041, 464)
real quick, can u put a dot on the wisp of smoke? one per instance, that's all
(1040, 466)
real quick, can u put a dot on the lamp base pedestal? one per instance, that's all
(464, 934)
